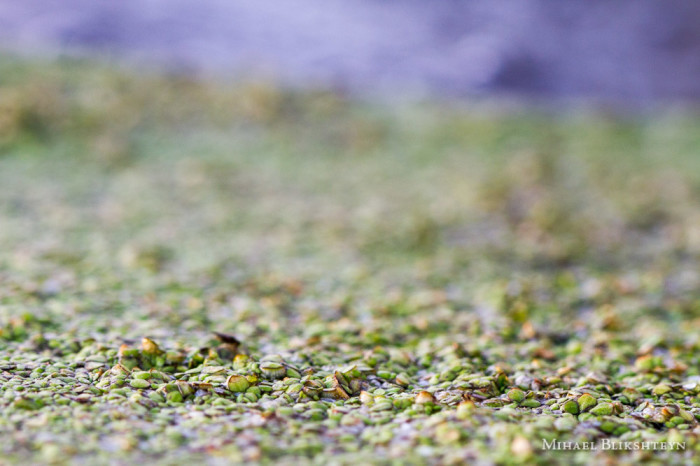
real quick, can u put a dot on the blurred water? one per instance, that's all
(608, 49)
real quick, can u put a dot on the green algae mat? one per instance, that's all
(195, 271)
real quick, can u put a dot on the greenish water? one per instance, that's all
(407, 282)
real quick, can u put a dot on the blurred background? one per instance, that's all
(215, 144)
(626, 51)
